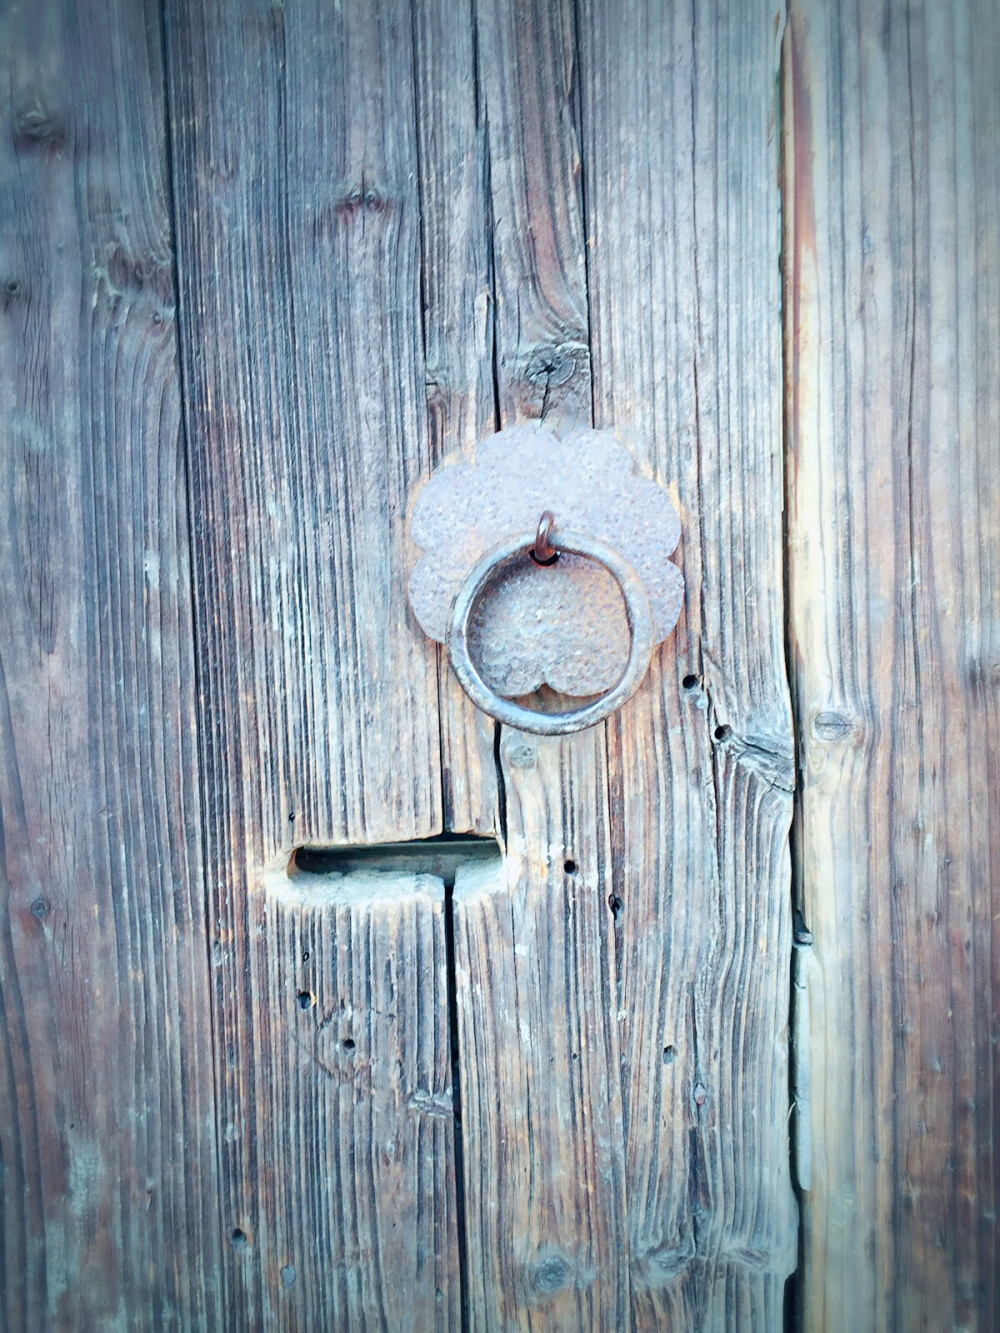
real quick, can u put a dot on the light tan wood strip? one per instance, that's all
(892, 266)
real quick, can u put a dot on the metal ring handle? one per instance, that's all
(637, 609)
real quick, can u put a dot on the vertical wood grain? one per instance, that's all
(892, 263)
(680, 160)
(540, 1078)
(457, 306)
(296, 157)
(108, 1193)
(358, 1161)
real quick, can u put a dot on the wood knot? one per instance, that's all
(361, 200)
(12, 292)
(550, 1273)
(831, 726)
(551, 366)
(36, 127)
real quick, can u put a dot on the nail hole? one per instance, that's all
(348, 1044)
(304, 999)
(239, 1239)
(570, 867)
(723, 732)
(616, 905)
(305, 956)
(669, 1055)
(689, 682)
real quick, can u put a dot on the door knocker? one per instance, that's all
(546, 562)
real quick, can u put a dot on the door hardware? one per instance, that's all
(546, 563)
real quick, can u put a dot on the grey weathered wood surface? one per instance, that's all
(892, 164)
(458, 342)
(680, 158)
(398, 226)
(108, 1190)
(720, 1238)
(534, 957)
(296, 187)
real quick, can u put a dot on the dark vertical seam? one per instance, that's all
(455, 1057)
(482, 118)
(577, 104)
(793, 1311)
(198, 682)
(447, 814)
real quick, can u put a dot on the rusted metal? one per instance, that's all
(640, 624)
(545, 553)
(564, 624)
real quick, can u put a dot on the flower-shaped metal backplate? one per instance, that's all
(564, 624)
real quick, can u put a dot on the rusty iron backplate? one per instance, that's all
(562, 624)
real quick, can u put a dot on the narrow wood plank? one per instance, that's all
(297, 210)
(893, 321)
(541, 1103)
(457, 296)
(108, 1193)
(680, 161)
(526, 71)
(540, 1077)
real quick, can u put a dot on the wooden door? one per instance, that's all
(326, 1002)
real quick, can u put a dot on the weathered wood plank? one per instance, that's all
(298, 224)
(541, 1104)
(680, 161)
(456, 293)
(355, 1000)
(108, 1195)
(540, 1078)
(892, 168)
(526, 78)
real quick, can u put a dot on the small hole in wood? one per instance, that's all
(690, 682)
(348, 1044)
(304, 999)
(305, 956)
(616, 905)
(723, 732)
(239, 1239)
(570, 867)
(669, 1055)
